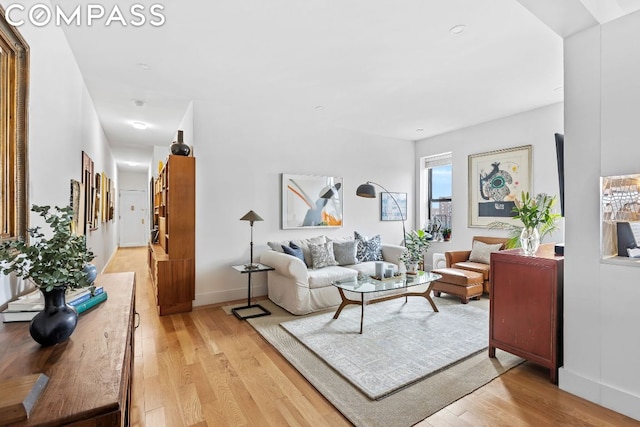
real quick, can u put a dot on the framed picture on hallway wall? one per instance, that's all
(496, 179)
(311, 201)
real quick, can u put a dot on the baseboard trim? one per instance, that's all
(226, 295)
(601, 394)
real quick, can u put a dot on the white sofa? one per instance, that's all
(302, 290)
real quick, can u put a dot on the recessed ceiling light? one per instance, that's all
(139, 125)
(319, 107)
(132, 163)
(144, 66)
(138, 102)
(458, 29)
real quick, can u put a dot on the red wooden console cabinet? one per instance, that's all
(526, 306)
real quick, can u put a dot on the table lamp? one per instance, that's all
(368, 191)
(251, 216)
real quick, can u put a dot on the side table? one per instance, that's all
(249, 269)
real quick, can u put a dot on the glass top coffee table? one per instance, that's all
(364, 284)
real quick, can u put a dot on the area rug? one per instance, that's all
(402, 342)
(405, 407)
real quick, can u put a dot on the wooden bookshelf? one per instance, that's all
(172, 259)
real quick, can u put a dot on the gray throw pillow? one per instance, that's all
(322, 255)
(481, 252)
(346, 252)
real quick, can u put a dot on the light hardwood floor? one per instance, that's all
(207, 368)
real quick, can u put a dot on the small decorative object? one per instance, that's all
(388, 272)
(379, 268)
(179, 148)
(251, 216)
(446, 234)
(368, 191)
(54, 265)
(538, 220)
(417, 243)
(529, 240)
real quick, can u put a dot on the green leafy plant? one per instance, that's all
(416, 244)
(53, 262)
(533, 212)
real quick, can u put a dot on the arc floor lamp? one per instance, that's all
(368, 191)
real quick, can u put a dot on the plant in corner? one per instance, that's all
(417, 243)
(54, 264)
(538, 220)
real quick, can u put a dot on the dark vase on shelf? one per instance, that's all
(179, 148)
(56, 322)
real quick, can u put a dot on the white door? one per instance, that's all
(134, 218)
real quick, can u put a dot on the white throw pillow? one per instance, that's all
(481, 252)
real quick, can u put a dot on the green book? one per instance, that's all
(91, 302)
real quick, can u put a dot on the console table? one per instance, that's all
(90, 373)
(525, 316)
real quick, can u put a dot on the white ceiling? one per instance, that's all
(379, 67)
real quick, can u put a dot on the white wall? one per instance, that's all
(601, 346)
(62, 124)
(239, 163)
(536, 128)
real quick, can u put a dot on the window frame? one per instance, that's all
(14, 78)
(431, 162)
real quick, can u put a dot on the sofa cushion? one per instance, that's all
(481, 252)
(478, 267)
(368, 249)
(345, 252)
(322, 255)
(325, 276)
(293, 250)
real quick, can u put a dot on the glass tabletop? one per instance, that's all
(365, 284)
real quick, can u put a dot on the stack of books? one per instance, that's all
(27, 306)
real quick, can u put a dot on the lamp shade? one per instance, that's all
(366, 190)
(251, 216)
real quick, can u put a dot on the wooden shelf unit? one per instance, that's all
(89, 373)
(526, 306)
(172, 260)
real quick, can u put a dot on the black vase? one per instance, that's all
(56, 322)
(179, 148)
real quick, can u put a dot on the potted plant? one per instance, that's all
(538, 220)
(446, 234)
(53, 264)
(416, 244)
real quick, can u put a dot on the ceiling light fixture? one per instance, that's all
(139, 125)
(457, 29)
(138, 102)
(319, 107)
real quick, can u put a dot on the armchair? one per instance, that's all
(479, 263)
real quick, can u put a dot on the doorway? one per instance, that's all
(134, 218)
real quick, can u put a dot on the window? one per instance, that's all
(439, 204)
(14, 72)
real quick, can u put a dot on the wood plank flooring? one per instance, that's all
(207, 368)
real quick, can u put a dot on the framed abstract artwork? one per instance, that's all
(311, 201)
(496, 179)
(389, 209)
